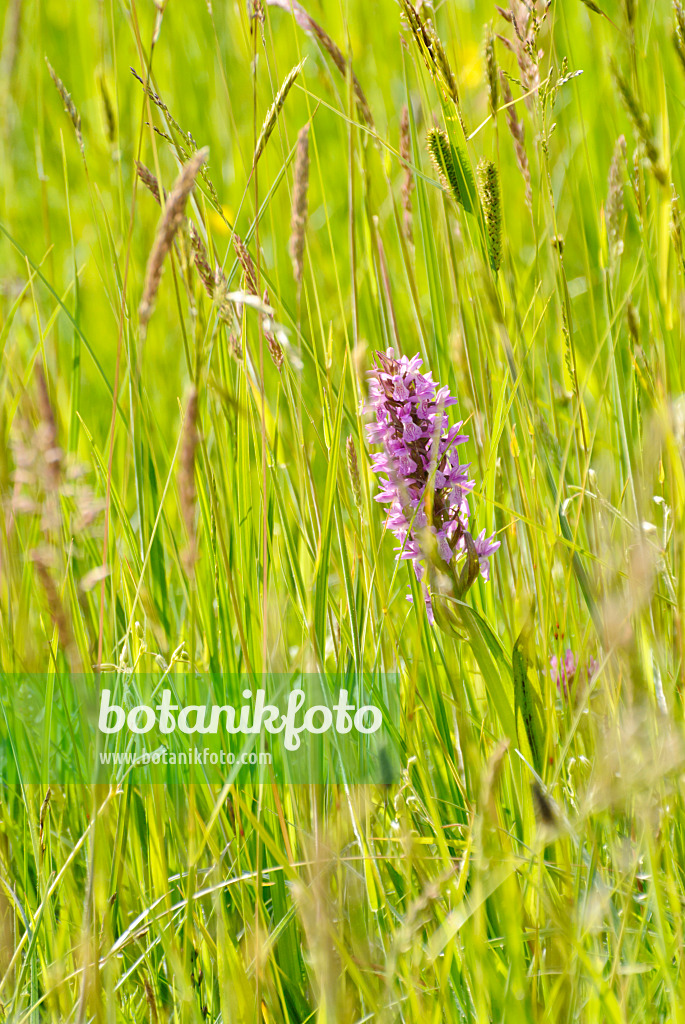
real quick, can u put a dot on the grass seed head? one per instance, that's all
(201, 260)
(274, 110)
(275, 350)
(172, 219)
(311, 27)
(245, 260)
(491, 69)
(69, 106)
(679, 31)
(107, 109)
(408, 181)
(298, 222)
(434, 55)
(148, 179)
(488, 181)
(641, 124)
(58, 614)
(47, 436)
(517, 132)
(441, 154)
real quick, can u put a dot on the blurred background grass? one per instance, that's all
(498, 882)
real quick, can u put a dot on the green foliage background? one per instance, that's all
(530, 865)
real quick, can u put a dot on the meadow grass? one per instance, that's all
(186, 482)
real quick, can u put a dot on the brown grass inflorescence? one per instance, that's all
(69, 106)
(311, 27)
(298, 221)
(172, 218)
(518, 134)
(408, 183)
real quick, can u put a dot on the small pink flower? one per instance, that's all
(565, 674)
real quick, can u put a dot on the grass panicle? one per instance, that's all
(434, 55)
(69, 105)
(185, 148)
(298, 219)
(275, 350)
(641, 124)
(47, 435)
(274, 110)
(172, 219)
(311, 27)
(526, 20)
(614, 209)
(251, 286)
(247, 264)
(491, 72)
(149, 180)
(208, 276)
(108, 113)
(518, 134)
(408, 183)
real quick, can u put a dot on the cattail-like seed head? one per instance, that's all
(186, 477)
(69, 106)
(491, 199)
(441, 154)
(353, 470)
(298, 223)
(408, 182)
(172, 218)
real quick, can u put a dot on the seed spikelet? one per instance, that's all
(298, 222)
(172, 219)
(443, 157)
(491, 199)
